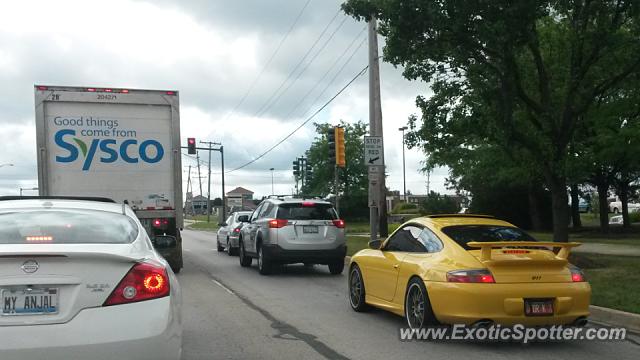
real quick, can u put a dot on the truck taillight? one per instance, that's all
(145, 281)
(42, 88)
(160, 222)
(124, 91)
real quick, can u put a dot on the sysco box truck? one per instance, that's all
(121, 144)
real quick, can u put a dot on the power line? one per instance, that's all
(255, 81)
(271, 103)
(305, 122)
(335, 63)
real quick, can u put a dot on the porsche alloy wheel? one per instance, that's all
(356, 290)
(417, 307)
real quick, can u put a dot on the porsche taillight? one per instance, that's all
(576, 274)
(145, 281)
(470, 276)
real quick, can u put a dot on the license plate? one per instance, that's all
(309, 229)
(29, 301)
(538, 307)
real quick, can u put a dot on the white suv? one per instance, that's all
(292, 230)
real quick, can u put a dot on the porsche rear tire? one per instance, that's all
(356, 290)
(417, 307)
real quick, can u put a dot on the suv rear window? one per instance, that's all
(303, 211)
(68, 226)
(463, 234)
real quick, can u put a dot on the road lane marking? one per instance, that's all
(222, 286)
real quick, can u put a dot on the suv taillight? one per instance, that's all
(145, 281)
(470, 276)
(278, 223)
(339, 223)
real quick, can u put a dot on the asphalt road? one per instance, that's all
(232, 312)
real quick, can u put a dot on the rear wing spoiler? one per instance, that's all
(486, 247)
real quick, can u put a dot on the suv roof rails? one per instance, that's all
(87, 198)
(303, 197)
(436, 216)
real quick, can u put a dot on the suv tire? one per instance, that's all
(336, 267)
(220, 247)
(265, 266)
(245, 261)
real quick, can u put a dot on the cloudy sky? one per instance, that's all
(248, 74)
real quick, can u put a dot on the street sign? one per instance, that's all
(373, 153)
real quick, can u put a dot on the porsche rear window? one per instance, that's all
(463, 234)
(68, 226)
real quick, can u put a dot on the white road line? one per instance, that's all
(222, 286)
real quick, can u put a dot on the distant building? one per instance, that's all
(240, 199)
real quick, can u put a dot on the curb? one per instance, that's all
(612, 317)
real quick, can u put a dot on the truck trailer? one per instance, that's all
(122, 144)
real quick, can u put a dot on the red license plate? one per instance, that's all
(538, 307)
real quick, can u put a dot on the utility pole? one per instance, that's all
(404, 171)
(377, 188)
(272, 193)
(336, 185)
(210, 148)
(199, 176)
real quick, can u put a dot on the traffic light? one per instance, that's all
(191, 146)
(331, 140)
(340, 148)
(296, 168)
(308, 171)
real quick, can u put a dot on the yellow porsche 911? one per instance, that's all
(469, 269)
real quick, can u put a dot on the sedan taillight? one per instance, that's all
(145, 281)
(470, 276)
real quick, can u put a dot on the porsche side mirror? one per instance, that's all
(375, 244)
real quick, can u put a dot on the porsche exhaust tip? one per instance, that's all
(484, 323)
(581, 322)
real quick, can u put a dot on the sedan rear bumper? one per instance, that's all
(464, 303)
(143, 330)
(278, 254)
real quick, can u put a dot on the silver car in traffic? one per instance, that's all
(293, 230)
(229, 232)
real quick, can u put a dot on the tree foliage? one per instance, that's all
(353, 188)
(512, 79)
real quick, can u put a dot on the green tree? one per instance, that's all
(438, 204)
(519, 75)
(353, 188)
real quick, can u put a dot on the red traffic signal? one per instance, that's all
(191, 146)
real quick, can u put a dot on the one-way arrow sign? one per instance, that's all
(373, 151)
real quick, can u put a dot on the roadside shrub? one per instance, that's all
(404, 208)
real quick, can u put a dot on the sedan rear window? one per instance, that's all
(463, 234)
(306, 211)
(66, 226)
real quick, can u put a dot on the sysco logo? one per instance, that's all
(110, 149)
